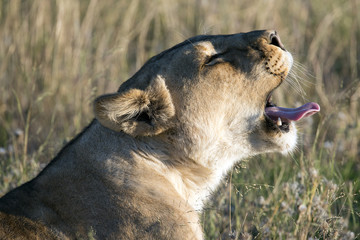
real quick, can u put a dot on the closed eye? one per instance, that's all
(214, 59)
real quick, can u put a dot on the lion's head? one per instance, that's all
(208, 99)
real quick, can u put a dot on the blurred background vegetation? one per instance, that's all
(57, 56)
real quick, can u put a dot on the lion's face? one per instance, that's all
(209, 98)
(223, 84)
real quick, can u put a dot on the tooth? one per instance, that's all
(278, 122)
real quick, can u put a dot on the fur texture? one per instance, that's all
(159, 146)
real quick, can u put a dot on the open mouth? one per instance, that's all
(280, 117)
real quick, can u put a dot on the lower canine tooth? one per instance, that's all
(279, 122)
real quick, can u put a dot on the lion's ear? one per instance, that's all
(137, 112)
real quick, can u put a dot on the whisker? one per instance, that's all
(298, 77)
(296, 88)
(297, 82)
(300, 68)
(294, 83)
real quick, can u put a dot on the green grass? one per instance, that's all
(56, 56)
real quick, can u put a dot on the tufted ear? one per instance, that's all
(137, 112)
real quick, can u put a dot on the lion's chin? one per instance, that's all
(280, 123)
(287, 141)
(276, 138)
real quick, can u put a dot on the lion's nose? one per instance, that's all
(274, 39)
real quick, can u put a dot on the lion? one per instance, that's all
(161, 144)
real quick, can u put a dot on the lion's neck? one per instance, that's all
(193, 178)
(206, 165)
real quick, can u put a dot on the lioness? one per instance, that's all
(161, 144)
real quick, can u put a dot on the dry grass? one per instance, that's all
(56, 56)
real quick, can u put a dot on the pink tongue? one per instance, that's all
(292, 114)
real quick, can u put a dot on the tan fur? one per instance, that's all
(159, 146)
